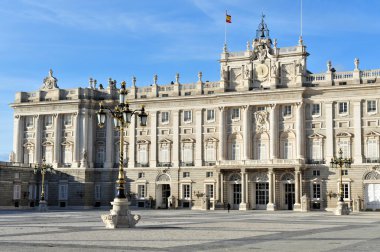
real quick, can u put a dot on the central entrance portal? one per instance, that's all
(262, 195)
(289, 196)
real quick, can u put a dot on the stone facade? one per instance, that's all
(261, 137)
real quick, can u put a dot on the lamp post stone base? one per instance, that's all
(271, 207)
(120, 216)
(342, 209)
(42, 207)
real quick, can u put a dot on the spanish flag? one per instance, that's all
(228, 18)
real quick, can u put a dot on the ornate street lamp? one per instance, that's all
(43, 169)
(335, 163)
(122, 115)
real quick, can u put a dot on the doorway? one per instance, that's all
(262, 195)
(289, 196)
(236, 197)
(165, 195)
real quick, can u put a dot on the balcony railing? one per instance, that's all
(316, 161)
(164, 164)
(372, 160)
(186, 163)
(259, 161)
(209, 163)
(142, 165)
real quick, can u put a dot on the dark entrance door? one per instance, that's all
(165, 194)
(289, 196)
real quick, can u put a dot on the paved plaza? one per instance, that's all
(184, 230)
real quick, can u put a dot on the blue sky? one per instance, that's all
(121, 38)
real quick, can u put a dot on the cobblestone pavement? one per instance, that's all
(185, 230)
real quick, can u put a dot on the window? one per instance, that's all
(17, 175)
(141, 175)
(48, 120)
(210, 152)
(209, 174)
(67, 156)
(16, 192)
(100, 154)
(371, 106)
(316, 191)
(187, 116)
(210, 115)
(343, 107)
(260, 108)
(235, 114)
(262, 151)
(316, 150)
(165, 117)
(164, 153)
(316, 173)
(372, 149)
(186, 191)
(210, 191)
(187, 153)
(187, 93)
(141, 191)
(210, 92)
(165, 95)
(143, 154)
(98, 192)
(345, 146)
(287, 110)
(32, 190)
(62, 192)
(344, 172)
(186, 174)
(315, 109)
(288, 150)
(29, 122)
(346, 191)
(235, 151)
(67, 119)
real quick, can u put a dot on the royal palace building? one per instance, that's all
(260, 137)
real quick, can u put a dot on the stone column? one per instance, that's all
(84, 130)
(217, 188)
(273, 131)
(358, 158)
(198, 138)
(329, 131)
(297, 205)
(76, 151)
(222, 134)
(271, 205)
(37, 135)
(243, 204)
(132, 143)
(153, 138)
(18, 133)
(221, 188)
(109, 142)
(246, 133)
(300, 131)
(90, 141)
(175, 138)
(246, 190)
(57, 140)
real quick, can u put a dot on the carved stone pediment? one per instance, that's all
(50, 82)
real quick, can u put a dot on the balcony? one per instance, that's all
(164, 164)
(250, 162)
(142, 165)
(209, 163)
(372, 160)
(186, 163)
(315, 161)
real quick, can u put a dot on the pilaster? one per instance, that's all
(271, 206)
(175, 138)
(109, 142)
(329, 131)
(76, 158)
(222, 134)
(132, 143)
(243, 204)
(18, 133)
(358, 158)
(37, 134)
(246, 133)
(57, 140)
(300, 131)
(297, 205)
(273, 131)
(153, 138)
(198, 138)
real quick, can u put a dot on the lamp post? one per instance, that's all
(120, 215)
(342, 208)
(43, 169)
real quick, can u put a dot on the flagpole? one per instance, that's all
(225, 30)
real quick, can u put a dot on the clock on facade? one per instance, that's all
(262, 71)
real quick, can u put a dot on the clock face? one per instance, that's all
(262, 71)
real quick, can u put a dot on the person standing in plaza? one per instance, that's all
(228, 207)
